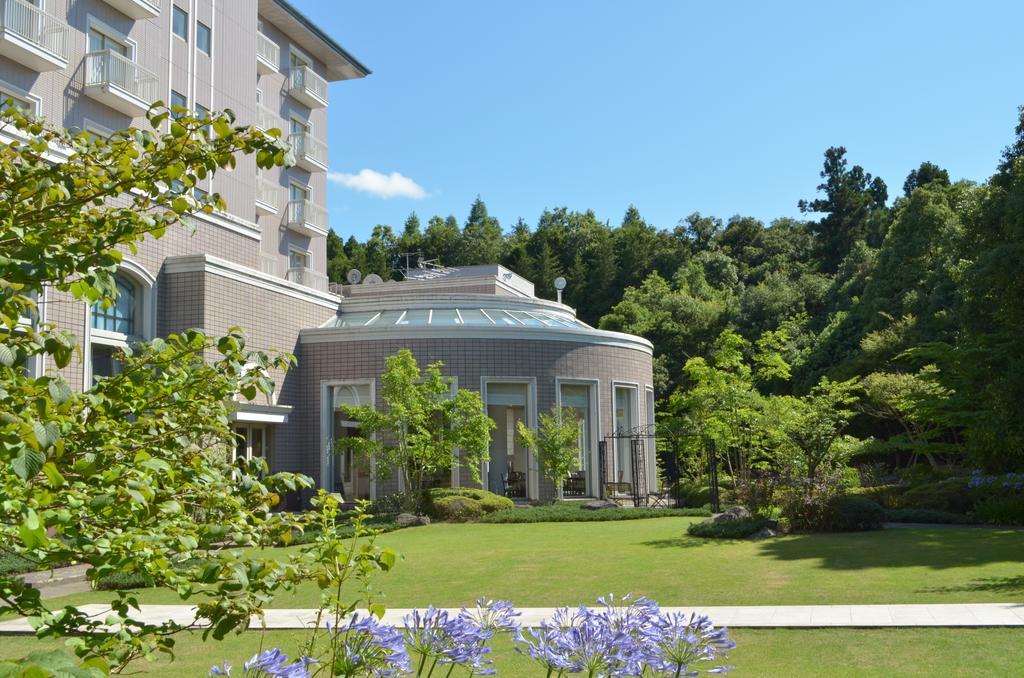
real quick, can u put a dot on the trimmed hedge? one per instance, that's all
(488, 501)
(456, 509)
(950, 495)
(568, 513)
(12, 563)
(727, 529)
(853, 514)
(926, 516)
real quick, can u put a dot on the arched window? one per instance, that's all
(120, 317)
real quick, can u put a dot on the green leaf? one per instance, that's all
(31, 530)
(7, 355)
(59, 390)
(53, 475)
(28, 463)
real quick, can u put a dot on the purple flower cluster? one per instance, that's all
(627, 637)
(269, 664)
(1010, 481)
(624, 637)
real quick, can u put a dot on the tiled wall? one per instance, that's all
(469, 361)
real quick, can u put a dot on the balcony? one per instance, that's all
(309, 152)
(136, 9)
(268, 55)
(119, 82)
(32, 37)
(306, 218)
(267, 119)
(308, 277)
(268, 263)
(307, 87)
(268, 197)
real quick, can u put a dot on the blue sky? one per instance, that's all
(676, 107)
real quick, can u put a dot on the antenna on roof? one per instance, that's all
(413, 265)
(353, 276)
(559, 286)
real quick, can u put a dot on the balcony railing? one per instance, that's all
(268, 197)
(307, 218)
(119, 82)
(268, 54)
(310, 153)
(308, 87)
(32, 37)
(308, 277)
(268, 263)
(137, 9)
(267, 119)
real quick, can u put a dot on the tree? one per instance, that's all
(924, 175)
(133, 476)
(441, 240)
(422, 426)
(556, 442)
(482, 241)
(906, 399)
(411, 239)
(816, 424)
(851, 197)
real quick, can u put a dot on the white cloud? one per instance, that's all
(375, 183)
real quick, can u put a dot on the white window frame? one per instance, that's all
(93, 23)
(594, 397)
(532, 469)
(188, 22)
(145, 314)
(635, 387)
(301, 250)
(326, 422)
(9, 91)
(209, 30)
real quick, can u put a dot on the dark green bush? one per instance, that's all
(1006, 510)
(456, 508)
(693, 494)
(852, 514)
(887, 496)
(727, 529)
(381, 523)
(926, 516)
(12, 563)
(949, 495)
(570, 513)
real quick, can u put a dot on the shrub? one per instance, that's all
(1007, 510)
(569, 513)
(693, 494)
(344, 531)
(925, 516)
(727, 529)
(852, 514)
(949, 495)
(887, 496)
(489, 502)
(12, 563)
(455, 508)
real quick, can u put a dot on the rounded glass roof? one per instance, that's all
(451, 317)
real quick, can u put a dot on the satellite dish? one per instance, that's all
(354, 276)
(559, 283)
(373, 279)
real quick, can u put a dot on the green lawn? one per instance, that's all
(547, 564)
(761, 652)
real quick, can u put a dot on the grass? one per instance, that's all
(759, 652)
(547, 564)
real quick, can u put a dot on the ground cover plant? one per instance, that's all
(573, 512)
(740, 528)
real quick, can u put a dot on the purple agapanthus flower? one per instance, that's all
(368, 647)
(273, 663)
(222, 670)
(679, 642)
(437, 637)
(496, 616)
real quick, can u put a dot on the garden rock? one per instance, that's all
(409, 520)
(733, 513)
(597, 504)
(763, 533)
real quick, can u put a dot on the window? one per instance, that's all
(298, 259)
(199, 193)
(625, 423)
(120, 316)
(180, 23)
(252, 441)
(349, 472)
(202, 112)
(177, 99)
(19, 103)
(576, 399)
(203, 37)
(100, 41)
(298, 193)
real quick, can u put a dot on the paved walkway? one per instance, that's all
(770, 616)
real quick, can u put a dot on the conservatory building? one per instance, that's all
(522, 353)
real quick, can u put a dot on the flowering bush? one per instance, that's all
(626, 637)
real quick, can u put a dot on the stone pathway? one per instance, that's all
(62, 581)
(767, 616)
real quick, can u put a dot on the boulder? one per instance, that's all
(596, 504)
(409, 520)
(763, 533)
(733, 513)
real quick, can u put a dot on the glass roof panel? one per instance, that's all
(502, 317)
(355, 319)
(387, 318)
(474, 316)
(527, 319)
(445, 316)
(416, 316)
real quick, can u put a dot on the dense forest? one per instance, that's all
(917, 299)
